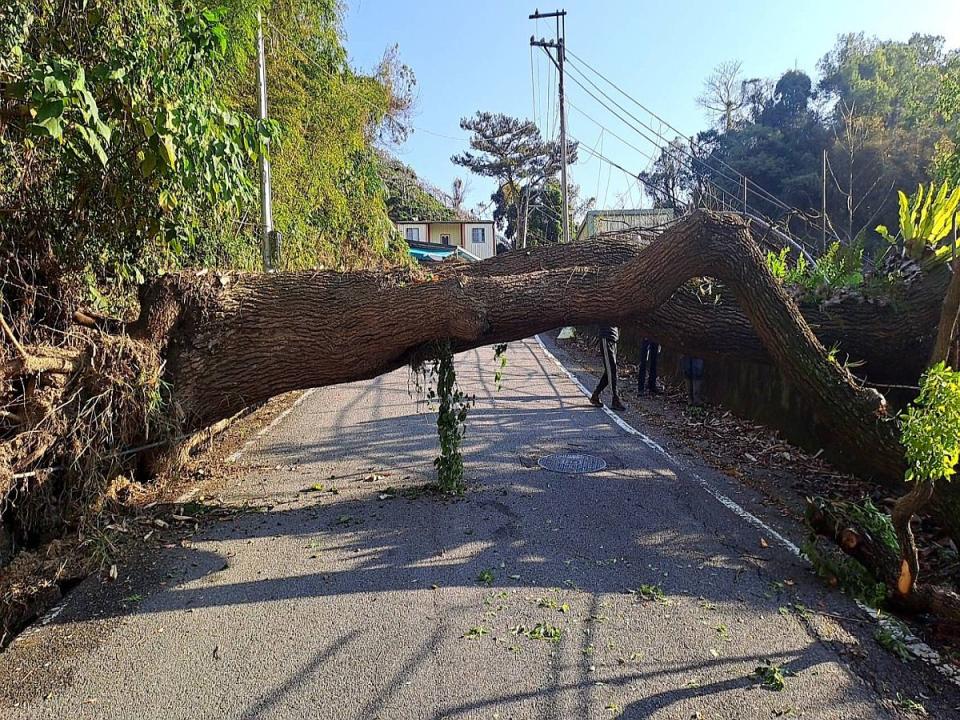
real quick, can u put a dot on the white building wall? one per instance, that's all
(484, 250)
(421, 227)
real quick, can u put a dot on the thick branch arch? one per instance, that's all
(232, 340)
(240, 339)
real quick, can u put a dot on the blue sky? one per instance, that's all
(471, 56)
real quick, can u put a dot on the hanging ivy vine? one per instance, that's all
(453, 405)
(500, 358)
(435, 377)
(451, 423)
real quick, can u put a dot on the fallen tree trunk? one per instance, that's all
(889, 337)
(233, 340)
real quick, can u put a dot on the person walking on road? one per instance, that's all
(608, 349)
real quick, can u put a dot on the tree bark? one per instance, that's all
(891, 336)
(234, 340)
(949, 319)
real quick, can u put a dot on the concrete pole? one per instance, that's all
(563, 148)
(266, 200)
(823, 205)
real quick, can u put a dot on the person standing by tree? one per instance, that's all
(609, 336)
(649, 353)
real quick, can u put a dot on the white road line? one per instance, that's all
(687, 471)
(914, 644)
(263, 431)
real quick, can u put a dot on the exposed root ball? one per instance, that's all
(75, 432)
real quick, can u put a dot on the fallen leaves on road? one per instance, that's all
(475, 633)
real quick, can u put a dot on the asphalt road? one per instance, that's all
(360, 604)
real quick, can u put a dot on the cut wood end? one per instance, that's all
(905, 581)
(849, 539)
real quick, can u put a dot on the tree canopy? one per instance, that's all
(512, 151)
(129, 140)
(884, 113)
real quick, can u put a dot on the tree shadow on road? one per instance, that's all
(590, 540)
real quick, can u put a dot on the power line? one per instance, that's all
(604, 158)
(599, 165)
(533, 87)
(770, 197)
(605, 129)
(441, 135)
(640, 132)
(671, 149)
(763, 193)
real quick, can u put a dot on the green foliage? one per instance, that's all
(847, 573)
(896, 81)
(910, 705)
(541, 208)
(890, 637)
(931, 426)
(651, 593)
(407, 197)
(893, 123)
(926, 218)
(540, 631)
(779, 266)
(129, 143)
(512, 151)
(500, 358)
(868, 516)
(771, 676)
(329, 193)
(836, 269)
(947, 157)
(839, 267)
(121, 155)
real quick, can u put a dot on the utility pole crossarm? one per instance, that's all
(537, 15)
(546, 44)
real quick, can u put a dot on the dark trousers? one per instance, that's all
(649, 352)
(693, 372)
(609, 352)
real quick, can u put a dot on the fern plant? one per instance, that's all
(839, 267)
(925, 219)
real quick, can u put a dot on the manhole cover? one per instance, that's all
(572, 463)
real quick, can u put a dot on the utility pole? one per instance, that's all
(823, 204)
(559, 44)
(267, 236)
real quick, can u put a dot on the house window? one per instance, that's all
(478, 235)
(444, 239)
(413, 234)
